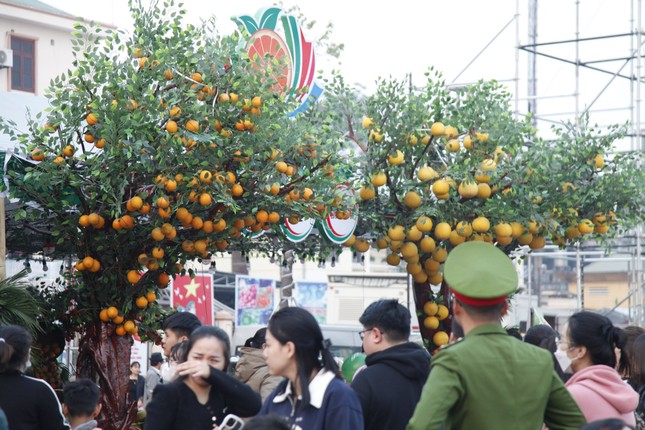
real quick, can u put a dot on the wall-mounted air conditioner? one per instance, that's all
(6, 58)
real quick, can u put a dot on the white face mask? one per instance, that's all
(563, 359)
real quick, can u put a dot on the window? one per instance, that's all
(23, 71)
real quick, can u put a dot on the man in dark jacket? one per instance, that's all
(390, 386)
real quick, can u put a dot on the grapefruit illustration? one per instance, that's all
(270, 54)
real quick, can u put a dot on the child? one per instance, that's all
(81, 405)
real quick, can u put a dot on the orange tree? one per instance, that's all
(160, 148)
(442, 167)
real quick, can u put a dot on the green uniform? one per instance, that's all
(491, 380)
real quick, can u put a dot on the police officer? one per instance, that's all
(490, 380)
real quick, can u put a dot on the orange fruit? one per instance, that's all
(103, 315)
(171, 185)
(442, 312)
(157, 252)
(274, 217)
(120, 331)
(38, 154)
(430, 308)
(164, 212)
(96, 266)
(197, 223)
(69, 150)
(118, 319)
(129, 326)
(171, 127)
(157, 234)
(91, 119)
(205, 176)
(151, 297)
(84, 221)
(431, 322)
(262, 216)
(163, 202)
(440, 338)
(205, 199)
(136, 202)
(133, 276)
(192, 125)
(141, 302)
(237, 190)
(88, 262)
(281, 166)
(163, 279)
(112, 312)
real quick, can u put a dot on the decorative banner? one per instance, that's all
(299, 231)
(292, 63)
(139, 352)
(337, 230)
(194, 296)
(312, 296)
(247, 232)
(253, 300)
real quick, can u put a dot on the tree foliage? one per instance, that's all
(442, 166)
(167, 147)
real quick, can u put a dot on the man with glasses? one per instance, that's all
(390, 386)
(490, 380)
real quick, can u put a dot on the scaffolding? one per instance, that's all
(615, 68)
(628, 68)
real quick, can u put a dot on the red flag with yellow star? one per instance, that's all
(194, 295)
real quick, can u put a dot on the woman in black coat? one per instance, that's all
(203, 393)
(137, 384)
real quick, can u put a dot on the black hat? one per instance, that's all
(156, 358)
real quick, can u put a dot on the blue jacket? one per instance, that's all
(332, 406)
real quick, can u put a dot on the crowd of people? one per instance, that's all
(590, 376)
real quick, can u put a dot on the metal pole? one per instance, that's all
(577, 91)
(631, 73)
(532, 81)
(579, 277)
(639, 58)
(530, 289)
(517, 59)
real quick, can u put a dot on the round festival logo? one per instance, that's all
(291, 61)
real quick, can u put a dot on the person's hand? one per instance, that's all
(195, 369)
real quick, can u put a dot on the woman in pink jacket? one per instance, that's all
(589, 342)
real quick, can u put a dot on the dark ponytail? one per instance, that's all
(597, 333)
(298, 326)
(15, 342)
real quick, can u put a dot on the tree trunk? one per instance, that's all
(104, 357)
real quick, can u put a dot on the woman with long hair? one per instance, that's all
(137, 384)
(590, 341)
(313, 396)
(203, 393)
(29, 403)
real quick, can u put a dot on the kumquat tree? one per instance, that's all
(443, 167)
(159, 148)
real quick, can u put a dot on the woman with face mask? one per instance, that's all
(589, 341)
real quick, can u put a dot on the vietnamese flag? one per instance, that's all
(194, 295)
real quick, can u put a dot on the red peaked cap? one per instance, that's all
(479, 274)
